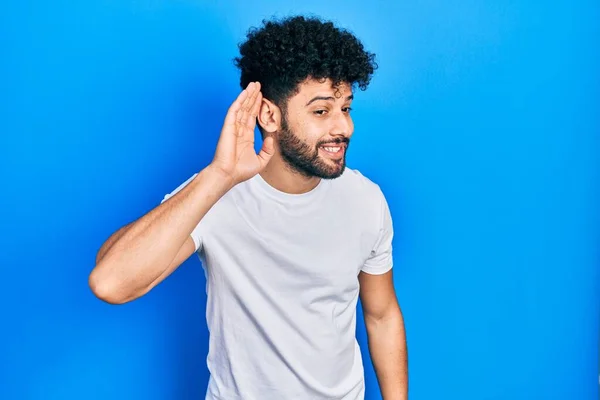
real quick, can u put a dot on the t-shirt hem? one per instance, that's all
(376, 270)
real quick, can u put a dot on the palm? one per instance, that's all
(248, 162)
(235, 152)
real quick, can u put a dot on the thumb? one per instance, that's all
(267, 151)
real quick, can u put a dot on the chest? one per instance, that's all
(314, 256)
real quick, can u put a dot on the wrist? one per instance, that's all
(218, 177)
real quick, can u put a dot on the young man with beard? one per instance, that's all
(289, 238)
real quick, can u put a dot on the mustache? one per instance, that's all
(337, 141)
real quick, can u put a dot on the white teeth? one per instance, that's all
(332, 149)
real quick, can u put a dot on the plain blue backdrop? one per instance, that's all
(481, 126)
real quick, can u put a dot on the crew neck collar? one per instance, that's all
(277, 194)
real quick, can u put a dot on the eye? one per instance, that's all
(347, 110)
(319, 112)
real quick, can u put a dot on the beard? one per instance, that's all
(303, 158)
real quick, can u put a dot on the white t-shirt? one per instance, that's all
(282, 286)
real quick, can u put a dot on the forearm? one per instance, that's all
(110, 241)
(387, 346)
(136, 255)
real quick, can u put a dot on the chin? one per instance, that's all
(331, 173)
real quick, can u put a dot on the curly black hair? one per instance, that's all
(281, 54)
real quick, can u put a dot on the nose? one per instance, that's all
(342, 125)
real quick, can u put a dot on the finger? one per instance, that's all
(248, 104)
(254, 108)
(251, 89)
(251, 119)
(267, 151)
(242, 113)
(230, 118)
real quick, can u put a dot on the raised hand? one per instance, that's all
(235, 155)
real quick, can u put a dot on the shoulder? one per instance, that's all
(359, 195)
(353, 182)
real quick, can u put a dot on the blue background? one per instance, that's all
(481, 126)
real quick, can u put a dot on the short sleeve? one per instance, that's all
(196, 237)
(380, 261)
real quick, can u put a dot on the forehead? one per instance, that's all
(311, 88)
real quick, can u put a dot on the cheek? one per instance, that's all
(310, 132)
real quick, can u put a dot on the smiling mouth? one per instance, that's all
(333, 151)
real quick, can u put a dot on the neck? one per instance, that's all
(281, 176)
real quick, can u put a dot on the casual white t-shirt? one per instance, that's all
(282, 286)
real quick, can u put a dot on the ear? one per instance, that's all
(269, 116)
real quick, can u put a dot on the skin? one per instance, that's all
(141, 254)
(299, 134)
(386, 334)
(303, 130)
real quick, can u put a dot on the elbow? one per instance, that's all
(391, 315)
(106, 289)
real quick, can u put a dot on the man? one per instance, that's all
(289, 238)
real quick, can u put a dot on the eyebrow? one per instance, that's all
(330, 98)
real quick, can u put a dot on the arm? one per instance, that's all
(386, 335)
(140, 255)
(110, 241)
